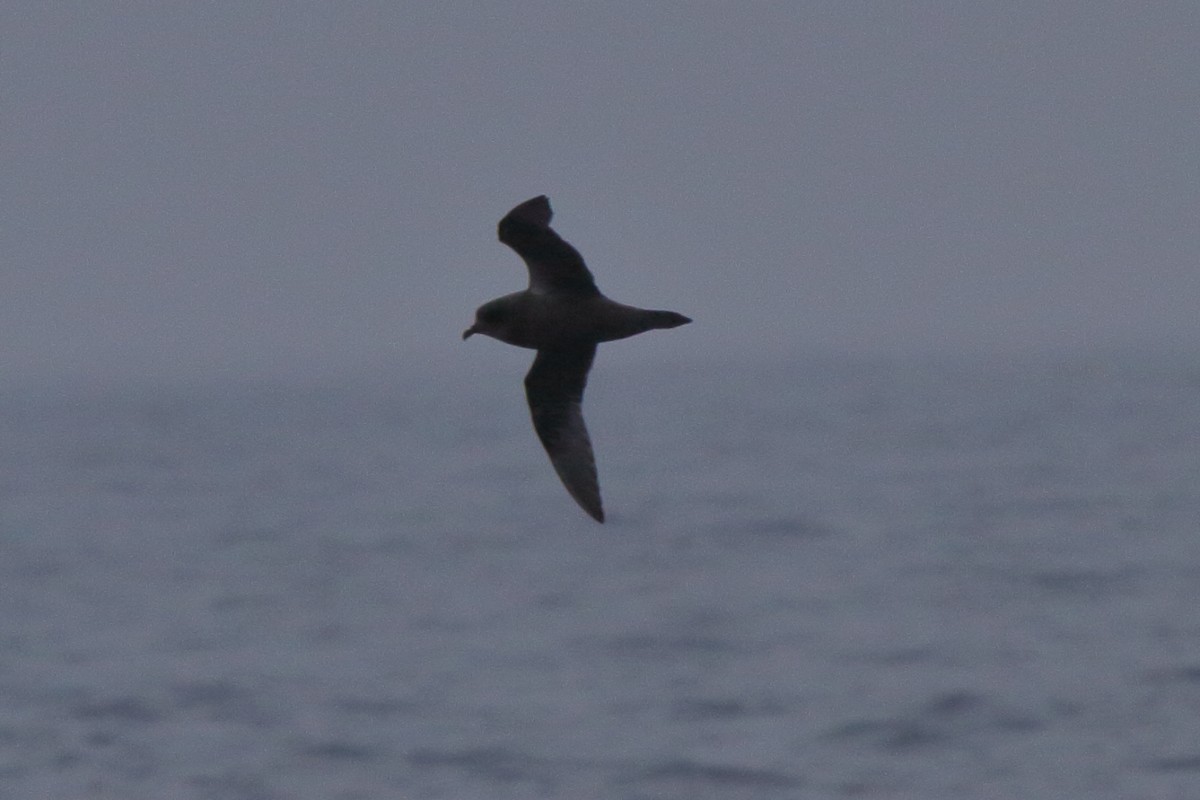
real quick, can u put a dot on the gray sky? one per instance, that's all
(207, 189)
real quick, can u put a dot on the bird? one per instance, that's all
(563, 316)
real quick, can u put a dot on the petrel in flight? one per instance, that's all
(563, 316)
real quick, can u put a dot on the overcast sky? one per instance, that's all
(207, 189)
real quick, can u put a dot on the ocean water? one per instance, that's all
(820, 579)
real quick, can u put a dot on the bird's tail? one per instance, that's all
(622, 321)
(665, 319)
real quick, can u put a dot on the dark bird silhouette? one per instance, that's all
(563, 316)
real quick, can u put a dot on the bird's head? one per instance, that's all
(493, 319)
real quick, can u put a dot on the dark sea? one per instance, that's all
(821, 578)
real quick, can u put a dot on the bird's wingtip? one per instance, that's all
(535, 211)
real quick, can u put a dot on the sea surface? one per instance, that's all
(821, 578)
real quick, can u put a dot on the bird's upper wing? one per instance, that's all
(554, 388)
(554, 265)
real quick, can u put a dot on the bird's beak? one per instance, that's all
(468, 332)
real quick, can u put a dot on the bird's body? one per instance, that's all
(538, 320)
(563, 316)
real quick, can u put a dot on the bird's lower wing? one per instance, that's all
(554, 387)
